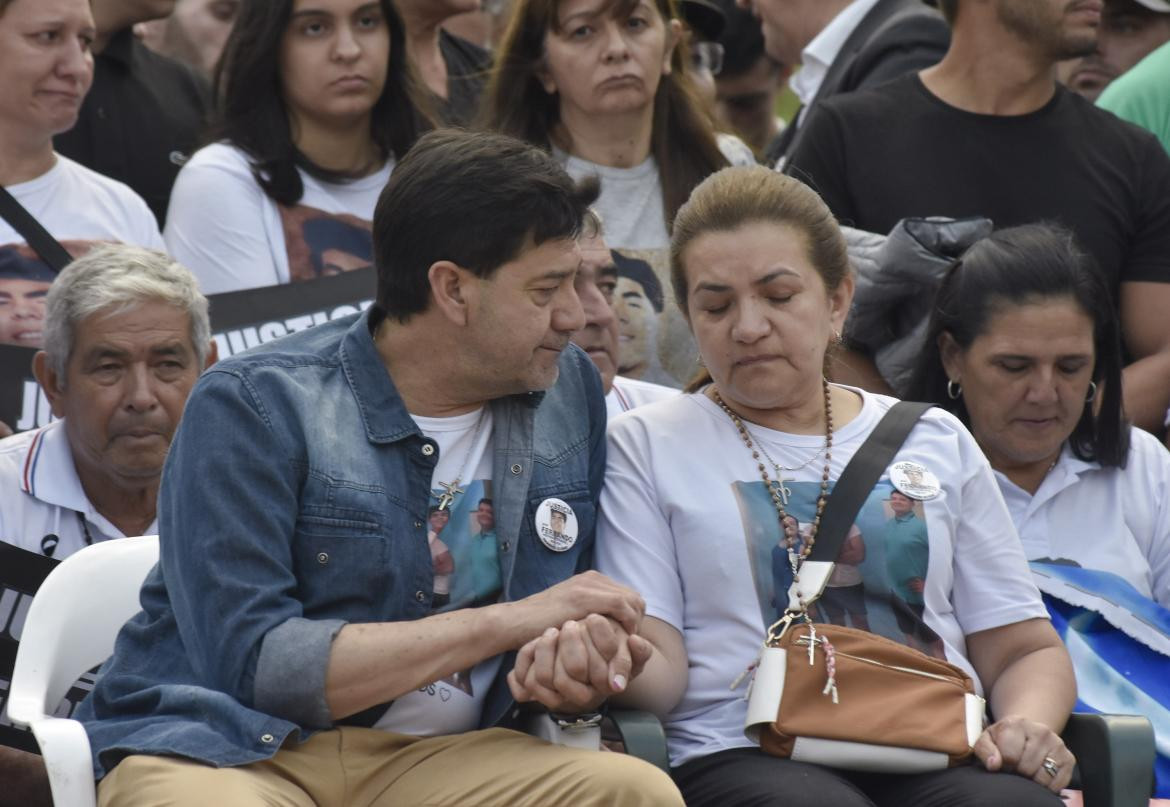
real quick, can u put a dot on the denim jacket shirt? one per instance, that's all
(293, 501)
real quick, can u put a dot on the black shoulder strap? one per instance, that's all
(34, 234)
(861, 474)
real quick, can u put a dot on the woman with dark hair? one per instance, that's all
(315, 99)
(1023, 347)
(701, 489)
(606, 86)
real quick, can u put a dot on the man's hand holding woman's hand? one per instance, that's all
(574, 668)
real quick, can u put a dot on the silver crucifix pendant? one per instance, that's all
(450, 491)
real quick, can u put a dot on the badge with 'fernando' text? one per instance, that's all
(914, 480)
(556, 525)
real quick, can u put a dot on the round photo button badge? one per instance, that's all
(914, 480)
(556, 525)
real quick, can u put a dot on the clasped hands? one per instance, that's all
(592, 655)
(576, 667)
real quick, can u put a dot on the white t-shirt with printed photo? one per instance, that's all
(79, 208)
(687, 522)
(632, 212)
(232, 235)
(465, 556)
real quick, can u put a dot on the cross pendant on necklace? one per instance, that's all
(778, 484)
(450, 491)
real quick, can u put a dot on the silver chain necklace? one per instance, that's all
(451, 489)
(777, 466)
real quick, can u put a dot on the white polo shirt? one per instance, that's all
(1113, 519)
(43, 507)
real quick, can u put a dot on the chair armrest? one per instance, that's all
(1115, 758)
(642, 734)
(66, 751)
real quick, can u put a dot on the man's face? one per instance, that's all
(596, 281)
(1129, 31)
(635, 315)
(485, 516)
(45, 64)
(557, 521)
(900, 504)
(142, 10)
(785, 26)
(1057, 29)
(438, 520)
(747, 103)
(196, 32)
(22, 311)
(125, 385)
(522, 318)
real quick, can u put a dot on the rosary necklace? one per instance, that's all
(776, 487)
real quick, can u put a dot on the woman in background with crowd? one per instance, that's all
(605, 86)
(315, 99)
(1023, 347)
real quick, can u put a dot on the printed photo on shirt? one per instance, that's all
(879, 577)
(655, 344)
(464, 555)
(24, 283)
(321, 244)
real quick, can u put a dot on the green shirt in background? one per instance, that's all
(1142, 95)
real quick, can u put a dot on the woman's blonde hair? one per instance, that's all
(734, 197)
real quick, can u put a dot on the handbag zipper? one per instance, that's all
(803, 641)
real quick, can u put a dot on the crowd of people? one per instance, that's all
(578, 448)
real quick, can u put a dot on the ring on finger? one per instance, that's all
(1050, 767)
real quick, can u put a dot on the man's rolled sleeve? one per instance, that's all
(291, 668)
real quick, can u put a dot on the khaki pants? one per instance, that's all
(353, 767)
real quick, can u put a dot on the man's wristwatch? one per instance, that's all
(567, 722)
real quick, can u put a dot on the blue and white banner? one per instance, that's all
(1119, 642)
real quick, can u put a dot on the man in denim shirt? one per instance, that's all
(293, 646)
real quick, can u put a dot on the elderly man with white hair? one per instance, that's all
(126, 334)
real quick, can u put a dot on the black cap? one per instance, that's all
(705, 18)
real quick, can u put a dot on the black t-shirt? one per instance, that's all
(467, 69)
(881, 155)
(141, 120)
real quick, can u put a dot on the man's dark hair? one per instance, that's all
(949, 9)
(640, 272)
(742, 40)
(325, 233)
(250, 111)
(1033, 263)
(485, 501)
(472, 198)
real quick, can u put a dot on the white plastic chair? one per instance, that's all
(70, 628)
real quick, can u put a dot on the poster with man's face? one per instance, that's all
(655, 343)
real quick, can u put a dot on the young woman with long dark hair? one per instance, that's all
(315, 100)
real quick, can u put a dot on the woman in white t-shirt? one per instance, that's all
(315, 98)
(698, 488)
(608, 88)
(1030, 360)
(46, 67)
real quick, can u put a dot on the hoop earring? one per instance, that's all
(1092, 392)
(954, 390)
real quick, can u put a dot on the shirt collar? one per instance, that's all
(48, 474)
(826, 46)
(1064, 474)
(381, 408)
